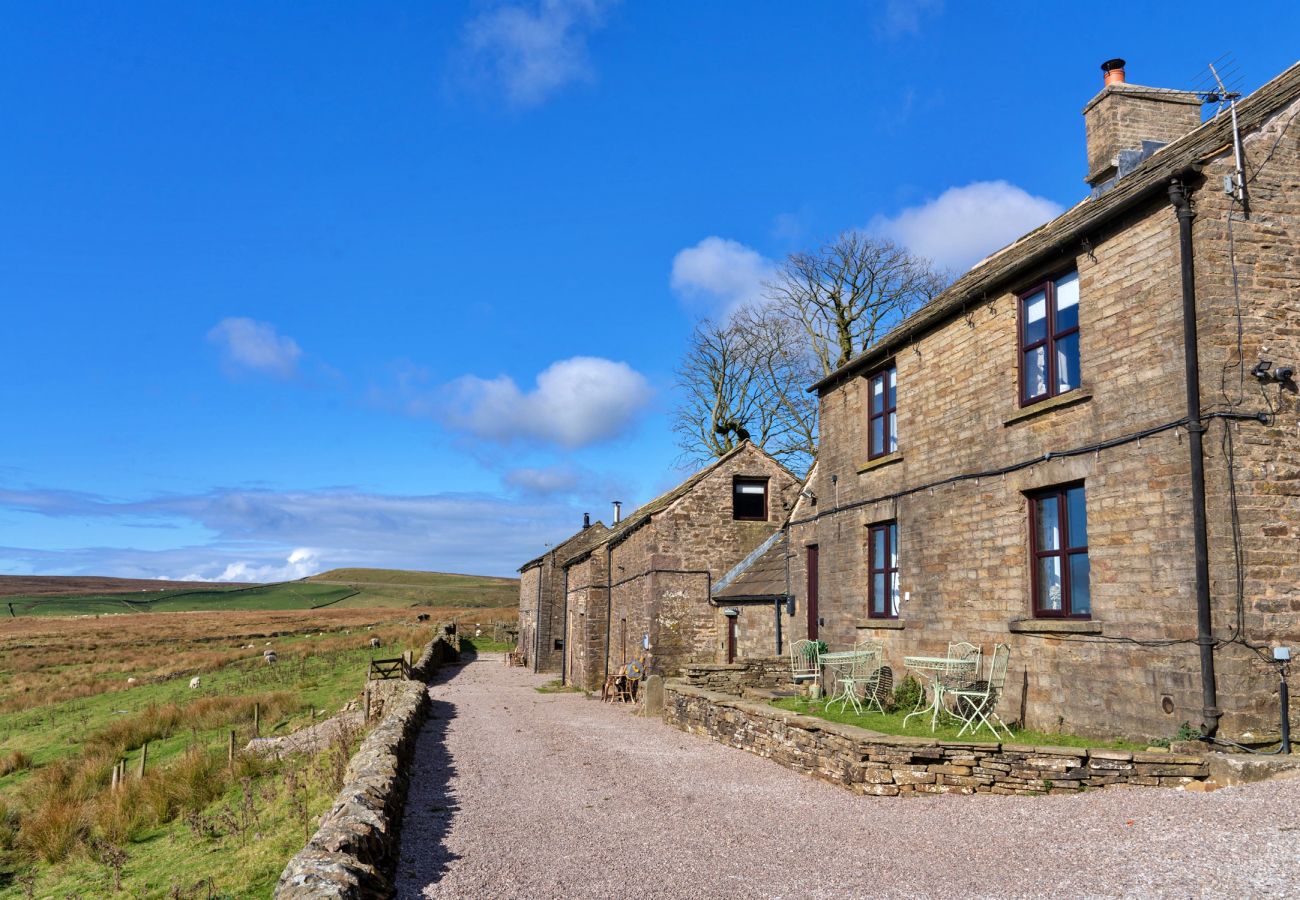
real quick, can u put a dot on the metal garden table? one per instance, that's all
(843, 663)
(935, 669)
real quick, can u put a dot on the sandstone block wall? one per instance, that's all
(735, 678)
(964, 548)
(663, 571)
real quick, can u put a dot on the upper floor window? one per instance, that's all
(1058, 550)
(881, 415)
(1049, 339)
(749, 499)
(882, 571)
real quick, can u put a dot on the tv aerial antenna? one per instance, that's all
(1220, 85)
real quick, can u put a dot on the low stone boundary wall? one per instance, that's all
(887, 765)
(354, 851)
(768, 673)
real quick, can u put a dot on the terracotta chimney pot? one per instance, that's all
(1114, 72)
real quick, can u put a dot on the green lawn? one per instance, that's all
(892, 723)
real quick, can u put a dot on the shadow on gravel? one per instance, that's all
(430, 806)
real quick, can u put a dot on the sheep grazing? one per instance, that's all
(194, 683)
(269, 656)
(131, 682)
(374, 643)
(422, 617)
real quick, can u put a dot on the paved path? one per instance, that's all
(522, 794)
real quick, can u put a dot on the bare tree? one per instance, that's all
(847, 294)
(747, 378)
(744, 379)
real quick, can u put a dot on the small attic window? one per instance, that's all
(749, 499)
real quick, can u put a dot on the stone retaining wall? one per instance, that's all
(886, 765)
(734, 678)
(353, 853)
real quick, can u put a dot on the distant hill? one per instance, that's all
(397, 587)
(70, 585)
(338, 588)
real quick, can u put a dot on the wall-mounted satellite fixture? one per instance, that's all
(1221, 88)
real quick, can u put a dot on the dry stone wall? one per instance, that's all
(354, 850)
(890, 766)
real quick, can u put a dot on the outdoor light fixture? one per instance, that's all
(1261, 370)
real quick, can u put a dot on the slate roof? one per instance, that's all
(1063, 234)
(760, 576)
(575, 544)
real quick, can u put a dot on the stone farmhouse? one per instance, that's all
(641, 589)
(1088, 446)
(541, 600)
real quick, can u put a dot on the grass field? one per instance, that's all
(342, 588)
(193, 826)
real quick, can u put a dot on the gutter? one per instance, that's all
(1179, 196)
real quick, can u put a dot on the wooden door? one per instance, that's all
(731, 638)
(812, 592)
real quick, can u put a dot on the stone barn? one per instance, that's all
(643, 590)
(541, 600)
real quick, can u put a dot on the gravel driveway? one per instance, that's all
(521, 794)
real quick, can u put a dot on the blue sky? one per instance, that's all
(294, 286)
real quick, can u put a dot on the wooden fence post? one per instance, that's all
(144, 757)
(366, 711)
(257, 720)
(230, 748)
(113, 787)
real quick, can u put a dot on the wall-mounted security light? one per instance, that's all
(731, 612)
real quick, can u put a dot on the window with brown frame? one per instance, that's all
(882, 432)
(882, 571)
(749, 499)
(1058, 551)
(1049, 339)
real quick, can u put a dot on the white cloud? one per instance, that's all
(530, 50)
(558, 479)
(300, 563)
(965, 224)
(247, 344)
(721, 274)
(576, 402)
(904, 17)
(264, 535)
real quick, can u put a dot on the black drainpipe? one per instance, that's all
(1178, 196)
(609, 606)
(537, 619)
(564, 655)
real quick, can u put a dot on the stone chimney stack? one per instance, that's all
(1126, 123)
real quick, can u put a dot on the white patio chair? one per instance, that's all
(963, 677)
(805, 663)
(975, 703)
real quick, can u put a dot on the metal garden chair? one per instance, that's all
(805, 664)
(974, 704)
(873, 670)
(959, 678)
